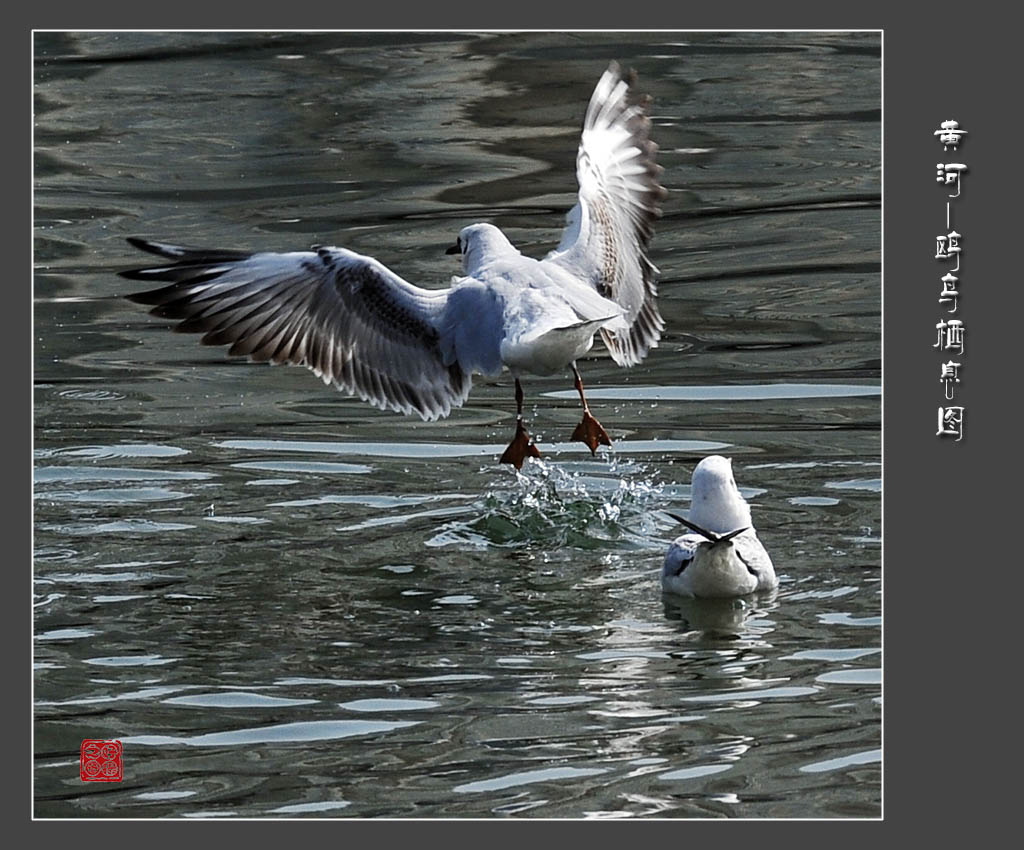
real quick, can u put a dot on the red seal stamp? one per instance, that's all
(102, 761)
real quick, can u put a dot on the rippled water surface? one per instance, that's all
(288, 604)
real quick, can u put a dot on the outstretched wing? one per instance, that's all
(610, 227)
(352, 321)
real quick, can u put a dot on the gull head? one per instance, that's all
(479, 245)
(716, 501)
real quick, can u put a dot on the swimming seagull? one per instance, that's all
(721, 555)
(364, 329)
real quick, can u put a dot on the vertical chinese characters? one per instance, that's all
(950, 333)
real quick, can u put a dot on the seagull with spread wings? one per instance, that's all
(362, 328)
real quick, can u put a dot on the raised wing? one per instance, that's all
(610, 227)
(345, 316)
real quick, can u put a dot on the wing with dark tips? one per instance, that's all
(610, 227)
(752, 554)
(348, 318)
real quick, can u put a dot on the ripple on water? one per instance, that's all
(126, 597)
(369, 500)
(844, 618)
(557, 702)
(115, 495)
(694, 772)
(164, 795)
(528, 777)
(106, 577)
(400, 519)
(861, 676)
(824, 654)
(65, 634)
(829, 593)
(54, 553)
(150, 693)
(236, 699)
(125, 565)
(321, 730)
(842, 762)
(814, 501)
(124, 526)
(390, 704)
(874, 485)
(309, 808)
(315, 468)
(725, 392)
(131, 661)
(115, 451)
(92, 395)
(339, 683)
(47, 474)
(787, 692)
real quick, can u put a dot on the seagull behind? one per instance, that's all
(722, 555)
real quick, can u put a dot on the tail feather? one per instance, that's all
(579, 332)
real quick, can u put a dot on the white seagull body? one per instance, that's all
(725, 557)
(362, 328)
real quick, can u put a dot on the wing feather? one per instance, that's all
(753, 554)
(610, 228)
(348, 318)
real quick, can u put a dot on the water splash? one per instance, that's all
(584, 505)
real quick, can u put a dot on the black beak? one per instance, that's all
(456, 248)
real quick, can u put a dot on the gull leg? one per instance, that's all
(520, 448)
(589, 431)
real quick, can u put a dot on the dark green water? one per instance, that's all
(286, 603)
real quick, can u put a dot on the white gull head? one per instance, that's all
(717, 503)
(480, 245)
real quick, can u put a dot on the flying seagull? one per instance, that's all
(722, 555)
(361, 327)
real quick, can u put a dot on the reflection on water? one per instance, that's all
(288, 604)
